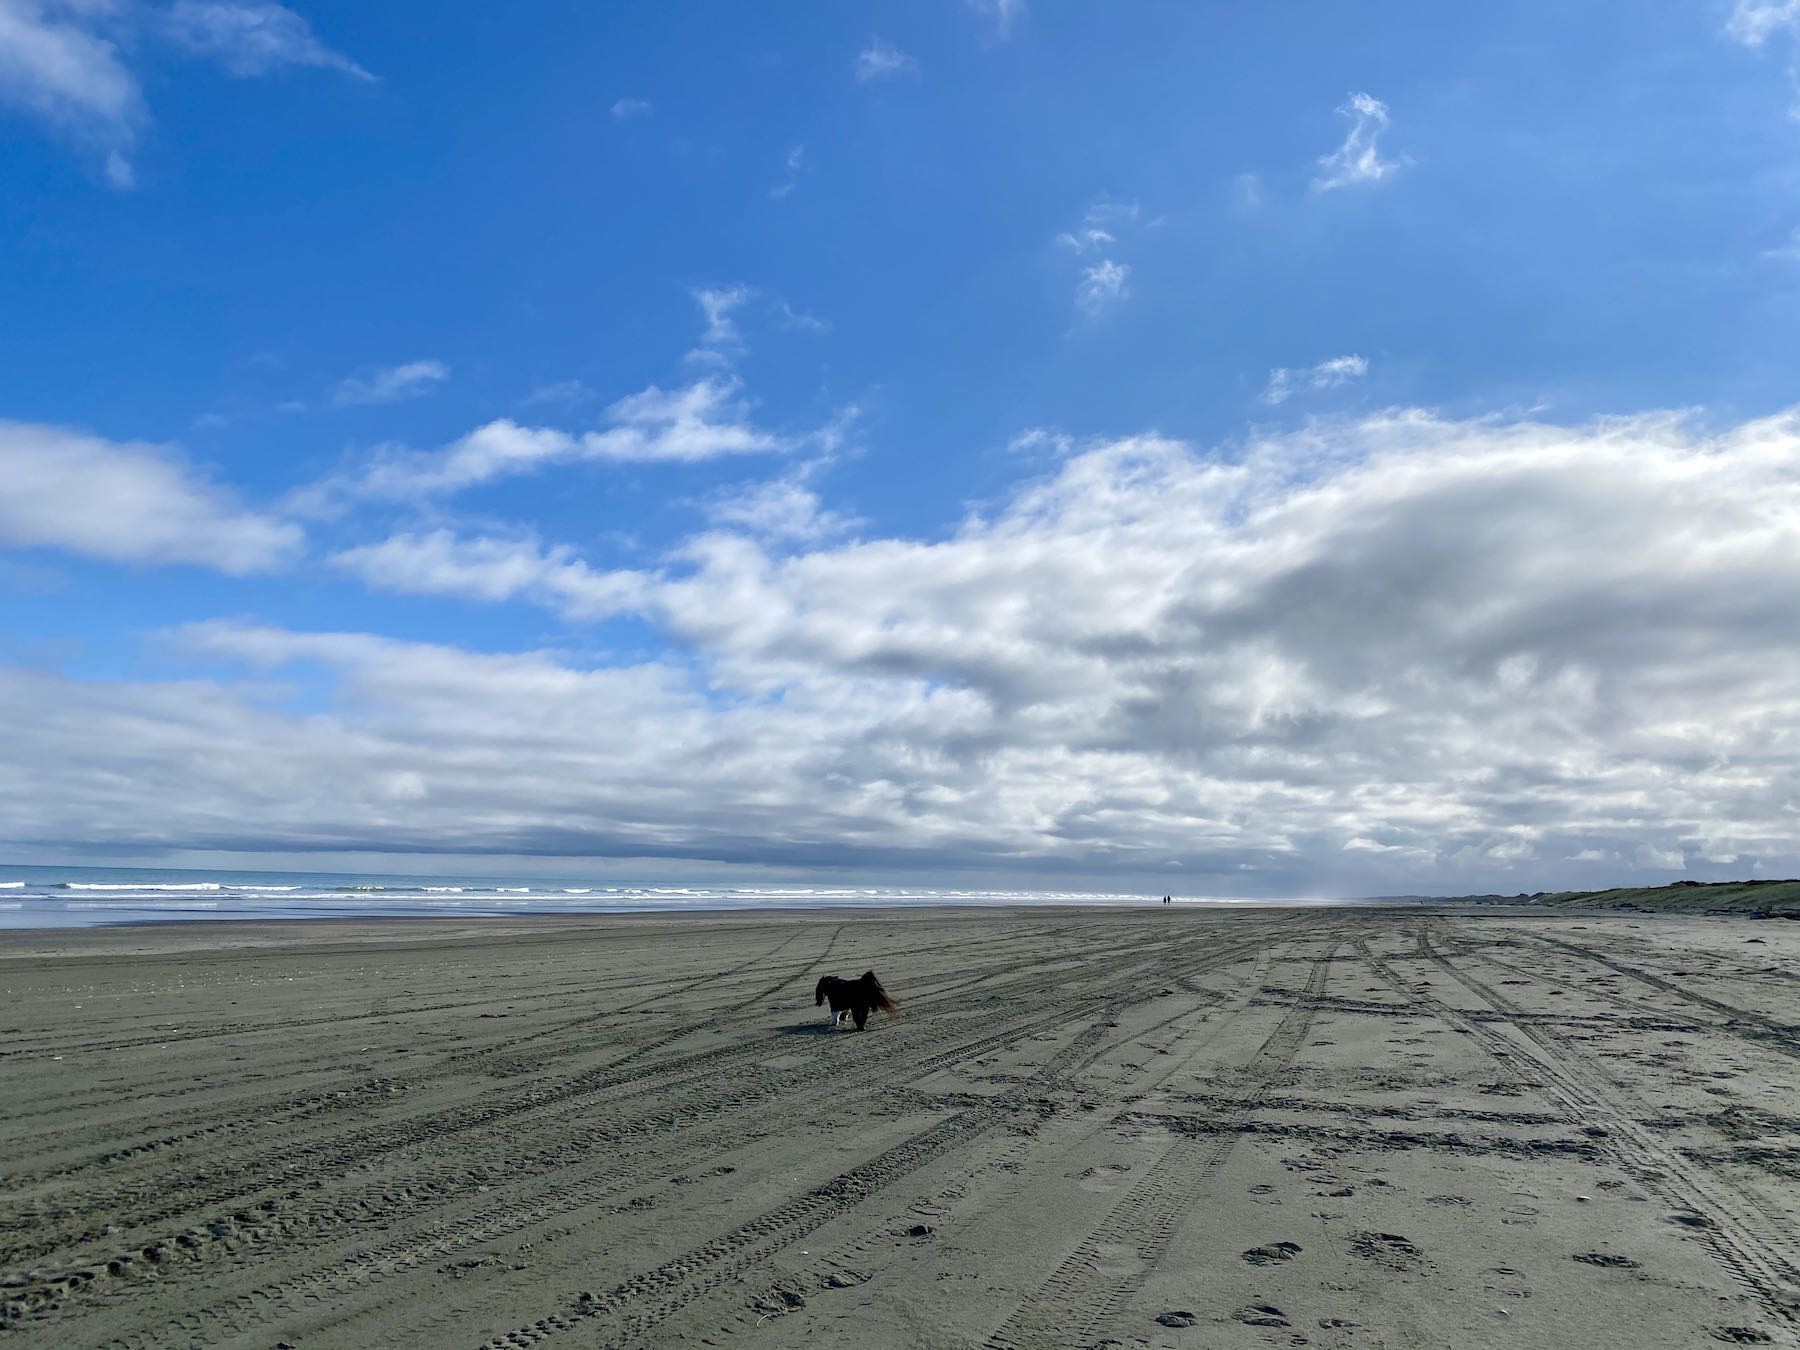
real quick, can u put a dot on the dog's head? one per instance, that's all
(819, 993)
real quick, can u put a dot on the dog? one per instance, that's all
(859, 998)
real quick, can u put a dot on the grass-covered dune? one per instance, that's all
(1678, 897)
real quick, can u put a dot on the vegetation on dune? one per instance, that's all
(1678, 897)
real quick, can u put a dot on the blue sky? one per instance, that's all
(904, 439)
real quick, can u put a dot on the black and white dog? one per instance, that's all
(859, 998)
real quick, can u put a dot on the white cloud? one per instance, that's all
(253, 37)
(390, 385)
(1373, 656)
(807, 323)
(127, 502)
(627, 108)
(1358, 159)
(1752, 21)
(780, 509)
(63, 61)
(880, 60)
(1003, 14)
(1041, 441)
(56, 65)
(1102, 285)
(492, 569)
(1087, 239)
(1284, 382)
(702, 420)
(557, 391)
(795, 163)
(717, 304)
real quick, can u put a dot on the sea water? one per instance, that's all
(59, 897)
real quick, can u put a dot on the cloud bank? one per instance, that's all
(1393, 654)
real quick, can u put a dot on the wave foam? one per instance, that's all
(140, 886)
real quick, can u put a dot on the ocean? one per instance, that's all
(64, 897)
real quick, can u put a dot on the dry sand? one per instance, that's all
(1174, 1127)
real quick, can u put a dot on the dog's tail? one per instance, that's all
(819, 993)
(882, 1001)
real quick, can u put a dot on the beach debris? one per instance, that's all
(1177, 1318)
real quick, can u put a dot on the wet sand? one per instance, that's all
(1171, 1127)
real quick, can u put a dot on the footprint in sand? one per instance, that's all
(1606, 1260)
(1271, 1252)
(1261, 1315)
(1102, 1178)
(1386, 1249)
(1507, 1282)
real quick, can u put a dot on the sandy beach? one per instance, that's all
(1175, 1127)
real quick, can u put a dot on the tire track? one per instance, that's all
(216, 1182)
(630, 1311)
(1744, 1023)
(1743, 1244)
(1009, 1162)
(1109, 1265)
(652, 1137)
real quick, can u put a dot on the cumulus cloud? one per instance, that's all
(127, 502)
(1753, 21)
(1358, 159)
(784, 508)
(702, 420)
(627, 108)
(492, 569)
(63, 61)
(882, 60)
(253, 37)
(57, 65)
(390, 385)
(1373, 656)
(1284, 382)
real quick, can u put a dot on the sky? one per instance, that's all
(1218, 449)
